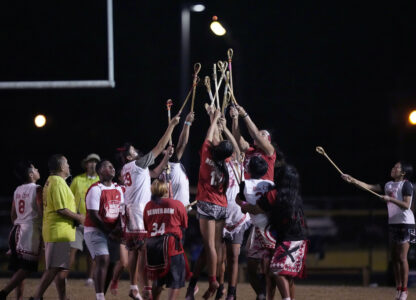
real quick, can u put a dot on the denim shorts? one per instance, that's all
(402, 233)
(211, 211)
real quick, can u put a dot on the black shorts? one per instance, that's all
(175, 279)
(402, 233)
(16, 262)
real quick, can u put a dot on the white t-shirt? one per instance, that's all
(93, 201)
(25, 204)
(137, 182)
(398, 215)
(234, 213)
(180, 183)
(254, 189)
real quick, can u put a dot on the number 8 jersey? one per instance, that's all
(25, 201)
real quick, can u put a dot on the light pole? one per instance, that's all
(186, 10)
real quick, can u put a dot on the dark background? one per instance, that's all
(333, 73)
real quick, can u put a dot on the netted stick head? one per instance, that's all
(230, 53)
(169, 103)
(197, 68)
(207, 82)
(320, 150)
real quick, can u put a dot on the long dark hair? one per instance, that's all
(219, 153)
(288, 206)
(407, 169)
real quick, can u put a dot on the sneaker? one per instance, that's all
(135, 297)
(397, 297)
(220, 292)
(89, 282)
(114, 287)
(403, 295)
(213, 286)
(191, 292)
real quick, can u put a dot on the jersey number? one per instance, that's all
(158, 231)
(127, 179)
(21, 207)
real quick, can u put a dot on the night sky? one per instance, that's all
(333, 73)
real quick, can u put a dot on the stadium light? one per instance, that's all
(198, 7)
(216, 27)
(412, 117)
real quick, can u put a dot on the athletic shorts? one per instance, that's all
(134, 241)
(402, 233)
(16, 261)
(100, 244)
(79, 238)
(236, 238)
(175, 279)
(255, 248)
(211, 211)
(57, 255)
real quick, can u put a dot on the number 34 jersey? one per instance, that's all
(165, 216)
(25, 202)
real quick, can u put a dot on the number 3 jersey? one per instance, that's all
(165, 216)
(107, 200)
(25, 202)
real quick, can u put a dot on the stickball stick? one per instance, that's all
(197, 68)
(169, 104)
(230, 53)
(208, 86)
(321, 151)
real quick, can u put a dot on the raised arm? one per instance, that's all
(166, 136)
(162, 165)
(183, 138)
(374, 187)
(230, 136)
(214, 126)
(263, 143)
(242, 143)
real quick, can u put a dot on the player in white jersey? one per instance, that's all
(137, 180)
(398, 196)
(175, 173)
(260, 242)
(25, 236)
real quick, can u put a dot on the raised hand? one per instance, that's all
(190, 117)
(175, 120)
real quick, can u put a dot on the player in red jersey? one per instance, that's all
(102, 228)
(262, 145)
(164, 219)
(212, 201)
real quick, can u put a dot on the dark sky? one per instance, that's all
(332, 73)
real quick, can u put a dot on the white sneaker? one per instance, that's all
(403, 295)
(89, 282)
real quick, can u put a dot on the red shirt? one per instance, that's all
(210, 179)
(270, 159)
(166, 216)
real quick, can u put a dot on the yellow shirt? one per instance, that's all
(57, 195)
(79, 188)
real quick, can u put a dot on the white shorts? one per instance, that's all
(99, 244)
(79, 238)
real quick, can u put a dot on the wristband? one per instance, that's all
(188, 123)
(245, 116)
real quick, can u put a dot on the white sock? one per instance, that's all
(99, 296)
(286, 298)
(134, 287)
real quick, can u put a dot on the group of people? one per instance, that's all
(136, 217)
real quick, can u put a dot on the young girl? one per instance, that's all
(212, 201)
(284, 206)
(164, 220)
(398, 196)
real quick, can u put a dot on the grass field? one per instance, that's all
(77, 291)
